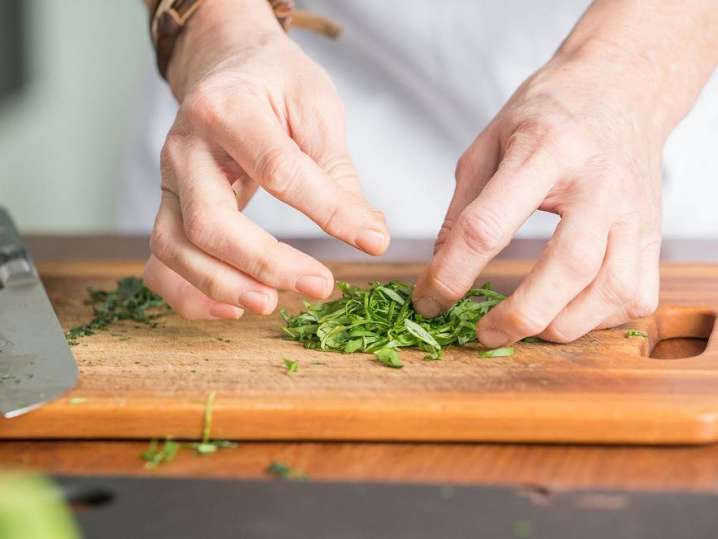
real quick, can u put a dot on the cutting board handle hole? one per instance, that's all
(88, 498)
(681, 332)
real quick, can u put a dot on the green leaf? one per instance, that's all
(281, 470)
(498, 352)
(291, 366)
(420, 333)
(389, 357)
(636, 333)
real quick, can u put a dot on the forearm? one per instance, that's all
(666, 48)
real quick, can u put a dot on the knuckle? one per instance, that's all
(212, 286)
(160, 244)
(617, 288)
(196, 227)
(171, 153)
(560, 333)
(261, 267)
(643, 305)
(446, 288)
(202, 106)
(527, 324)
(278, 172)
(581, 260)
(482, 231)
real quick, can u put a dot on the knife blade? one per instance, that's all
(36, 363)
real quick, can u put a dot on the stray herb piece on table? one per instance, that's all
(131, 300)
(523, 529)
(291, 365)
(207, 446)
(636, 333)
(498, 352)
(381, 319)
(283, 471)
(389, 357)
(156, 455)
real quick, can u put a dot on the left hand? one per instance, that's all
(581, 139)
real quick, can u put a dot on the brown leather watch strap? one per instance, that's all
(170, 16)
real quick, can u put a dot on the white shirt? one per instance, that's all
(420, 80)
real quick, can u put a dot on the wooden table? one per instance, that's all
(539, 467)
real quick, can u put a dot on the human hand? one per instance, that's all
(255, 111)
(581, 138)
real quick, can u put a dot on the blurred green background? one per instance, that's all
(64, 132)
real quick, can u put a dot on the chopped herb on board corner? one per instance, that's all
(131, 300)
(636, 333)
(381, 319)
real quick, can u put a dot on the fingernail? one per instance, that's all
(255, 301)
(371, 241)
(427, 307)
(493, 338)
(224, 310)
(314, 285)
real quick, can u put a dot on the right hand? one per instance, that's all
(255, 111)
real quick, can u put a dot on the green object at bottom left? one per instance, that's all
(32, 507)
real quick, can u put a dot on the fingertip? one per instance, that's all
(373, 241)
(225, 311)
(491, 336)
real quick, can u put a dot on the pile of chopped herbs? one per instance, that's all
(381, 319)
(131, 300)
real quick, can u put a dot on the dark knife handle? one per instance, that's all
(16, 266)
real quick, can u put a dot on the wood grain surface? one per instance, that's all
(140, 382)
(539, 468)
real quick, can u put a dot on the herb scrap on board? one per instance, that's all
(131, 300)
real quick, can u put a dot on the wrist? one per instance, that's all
(215, 30)
(659, 54)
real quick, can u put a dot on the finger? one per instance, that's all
(212, 223)
(609, 296)
(569, 264)
(486, 225)
(217, 280)
(184, 298)
(272, 159)
(473, 170)
(645, 300)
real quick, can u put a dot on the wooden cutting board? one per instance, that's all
(139, 382)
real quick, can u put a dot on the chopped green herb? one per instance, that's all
(532, 339)
(156, 455)
(636, 333)
(283, 471)
(131, 300)
(207, 446)
(291, 366)
(523, 529)
(389, 357)
(498, 352)
(382, 317)
(77, 400)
